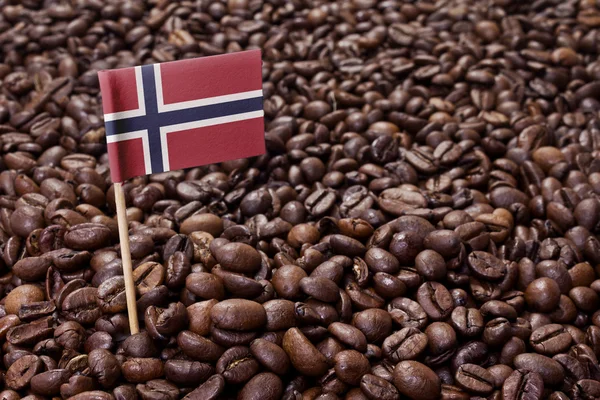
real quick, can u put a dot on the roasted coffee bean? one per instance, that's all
(486, 266)
(475, 379)
(238, 315)
(81, 306)
(542, 294)
(375, 387)
(87, 236)
(187, 373)
(199, 316)
(523, 384)
(406, 344)
(158, 388)
(435, 300)
(374, 323)
(139, 370)
(205, 285)
(551, 371)
(164, 322)
(303, 355)
(111, 295)
(585, 388)
(48, 383)
(75, 385)
(350, 366)
(104, 366)
(238, 257)
(21, 372)
(270, 356)
(407, 313)
(198, 347)
(139, 345)
(441, 338)
(550, 339)
(237, 365)
(24, 294)
(147, 276)
(467, 321)
(209, 390)
(349, 335)
(32, 268)
(31, 333)
(416, 380)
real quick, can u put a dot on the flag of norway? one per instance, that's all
(183, 114)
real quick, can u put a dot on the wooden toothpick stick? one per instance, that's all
(126, 258)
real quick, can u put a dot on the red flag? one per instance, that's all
(183, 114)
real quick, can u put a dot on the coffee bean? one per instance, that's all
(237, 365)
(441, 338)
(303, 355)
(523, 383)
(407, 313)
(406, 344)
(435, 300)
(474, 379)
(21, 372)
(81, 306)
(87, 236)
(75, 385)
(205, 285)
(551, 371)
(270, 355)
(164, 322)
(375, 387)
(209, 390)
(286, 281)
(416, 380)
(111, 295)
(48, 383)
(198, 347)
(24, 294)
(265, 386)
(238, 315)
(104, 367)
(148, 276)
(550, 339)
(238, 257)
(486, 266)
(139, 370)
(542, 294)
(350, 366)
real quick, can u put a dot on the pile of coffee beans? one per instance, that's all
(425, 223)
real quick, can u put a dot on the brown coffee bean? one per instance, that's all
(406, 344)
(238, 257)
(198, 347)
(551, 371)
(416, 380)
(139, 370)
(435, 300)
(523, 383)
(550, 339)
(303, 355)
(350, 366)
(237, 365)
(238, 315)
(21, 372)
(209, 390)
(542, 294)
(24, 294)
(475, 379)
